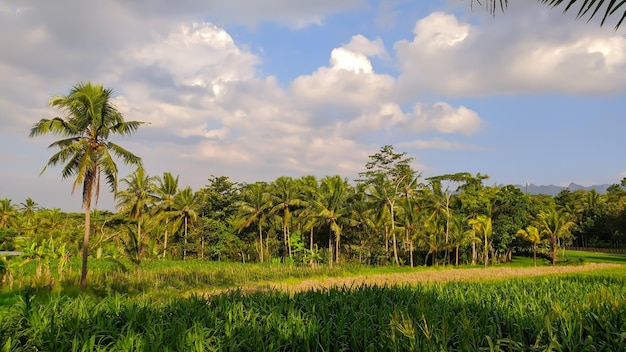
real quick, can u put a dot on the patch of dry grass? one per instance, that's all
(428, 276)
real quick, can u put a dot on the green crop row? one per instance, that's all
(564, 313)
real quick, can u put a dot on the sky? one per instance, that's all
(254, 90)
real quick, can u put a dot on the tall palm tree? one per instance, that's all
(90, 119)
(28, 208)
(331, 206)
(385, 193)
(137, 197)
(285, 195)
(532, 235)
(254, 208)
(165, 191)
(482, 227)
(8, 213)
(183, 213)
(554, 224)
(310, 193)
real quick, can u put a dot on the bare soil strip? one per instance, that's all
(429, 276)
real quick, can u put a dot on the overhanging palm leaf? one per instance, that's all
(588, 8)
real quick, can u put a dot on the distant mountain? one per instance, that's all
(553, 190)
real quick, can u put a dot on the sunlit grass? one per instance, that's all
(563, 312)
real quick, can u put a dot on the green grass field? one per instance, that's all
(156, 308)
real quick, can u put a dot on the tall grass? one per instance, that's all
(563, 313)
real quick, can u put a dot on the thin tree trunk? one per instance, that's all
(393, 233)
(83, 273)
(165, 240)
(553, 249)
(411, 254)
(486, 251)
(185, 242)
(457, 255)
(261, 241)
(330, 248)
(474, 254)
(535, 254)
(386, 244)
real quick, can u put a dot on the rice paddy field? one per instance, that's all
(276, 308)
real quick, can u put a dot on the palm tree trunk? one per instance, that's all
(535, 254)
(185, 241)
(486, 251)
(393, 233)
(411, 254)
(165, 240)
(457, 255)
(386, 244)
(261, 241)
(330, 248)
(553, 243)
(474, 254)
(337, 248)
(83, 273)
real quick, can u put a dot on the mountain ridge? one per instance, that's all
(553, 190)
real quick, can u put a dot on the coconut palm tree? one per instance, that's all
(165, 191)
(137, 197)
(28, 208)
(331, 206)
(254, 209)
(285, 195)
(90, 119)
(183, 213)
(554, 224)
(532, 235)
(8, 213)
(482, 227)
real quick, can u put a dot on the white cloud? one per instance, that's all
(440, 144)
(291, 13)
(525, 54)
(443, 118)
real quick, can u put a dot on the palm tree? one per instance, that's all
(331, 206)
(481, 227)
(385, 193)
(90, 119)
(554, 224)
(532, 235)
(137, 197)
(310, 220)
(254, 208)
(183, 212)
(8, 212)
(587, 8)
(165, 192)
(28, 208)
(285, 196)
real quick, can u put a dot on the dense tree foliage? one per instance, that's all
(389, 216)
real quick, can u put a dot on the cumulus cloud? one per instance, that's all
(526, 54)
(440, 144)
(207, 107)
(443, 118)
(290, 13)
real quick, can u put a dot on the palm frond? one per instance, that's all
(587, 8)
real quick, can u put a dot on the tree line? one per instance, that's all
(389, 215)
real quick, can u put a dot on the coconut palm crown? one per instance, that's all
(86, 151)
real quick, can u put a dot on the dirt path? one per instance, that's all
(444, 275)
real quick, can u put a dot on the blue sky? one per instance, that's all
(258, 89)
